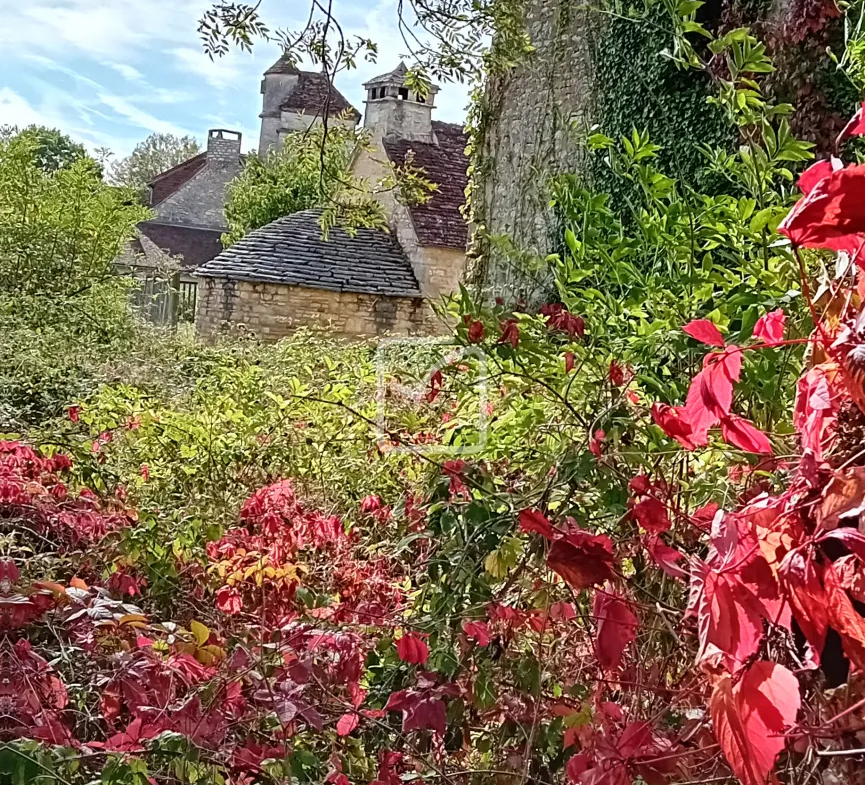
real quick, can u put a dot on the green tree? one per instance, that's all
(151, 157)
(59, 234)
(307, 171)
(51, 148)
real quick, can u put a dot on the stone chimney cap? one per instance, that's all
(395, 77)
(224, 133)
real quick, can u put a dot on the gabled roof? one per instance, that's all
(166, 183)
(291, 251)
(310, 96)
(195, 245)
(438, 222)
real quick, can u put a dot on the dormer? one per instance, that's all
(394, 110)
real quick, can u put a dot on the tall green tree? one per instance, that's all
(51, 148)
(59, 234)
(151, 157)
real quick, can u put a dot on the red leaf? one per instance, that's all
(729, 617)
(476, 332)
(705, 332)
(814, 174)
(742, 434)
(844, 619)
(670, 421)
(616, 627)
(510, 333)
(347, 723)
(412, 648)
(652, 515)
(582, 559)
(832, 214)
(770, 327)
(577, 765)
(640, 484)
(479, 631)
(665, 557)
(569, 362)
(804, 591)
(228, 600)
(750, 718)
(536, 521)
(856, 127)
(595, 443)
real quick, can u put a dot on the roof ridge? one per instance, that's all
(202, 154)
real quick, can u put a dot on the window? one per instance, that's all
(420, 99)
(403, 93)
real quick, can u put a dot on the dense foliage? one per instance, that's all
(612, 540)
(155, 155)
(51, 148)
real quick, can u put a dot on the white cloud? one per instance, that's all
(15, 110)
(139, 117)
(231, 70)
(127, 71)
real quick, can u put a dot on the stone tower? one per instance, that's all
(394, 110)
(293, 100)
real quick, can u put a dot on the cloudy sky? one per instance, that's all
(110, 72)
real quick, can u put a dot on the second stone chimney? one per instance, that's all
(223, 145)
(392, 109)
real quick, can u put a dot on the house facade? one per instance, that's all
(284, 275)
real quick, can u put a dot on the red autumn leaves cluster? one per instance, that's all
(709, 402)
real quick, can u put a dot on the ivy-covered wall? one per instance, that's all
(605, 67)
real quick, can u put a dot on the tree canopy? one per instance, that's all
(157, 153)
(51, 148)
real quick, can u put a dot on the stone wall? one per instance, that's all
(201, 200)
(438, 270)
(527, 135)
(273, 311)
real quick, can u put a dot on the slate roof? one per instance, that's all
(396, 76)
(290, 251)
(310, 94)
(439, 221)
(282, 66)
(166, 183)
(194, 244)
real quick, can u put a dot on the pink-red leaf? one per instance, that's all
(616, 627)
(751, 717)
(412, 648)
(742, 434)
(770, 327)
(705, 332)
(536, 521)
(652, 515)
(672, 423)
(582, 559)
(479, 631)
(347, 723)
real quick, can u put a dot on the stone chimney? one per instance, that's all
(223, 146)
(392, 109)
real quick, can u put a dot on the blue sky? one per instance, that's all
(110, 72)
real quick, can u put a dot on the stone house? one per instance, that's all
(188, 202)
(284, 275)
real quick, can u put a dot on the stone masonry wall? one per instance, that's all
(273, 311)
(438, 270)
(527, 136)
(201, 200)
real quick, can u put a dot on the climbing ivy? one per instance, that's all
(637, 86)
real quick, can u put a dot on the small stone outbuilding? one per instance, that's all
(285, 275)
(379, 282)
